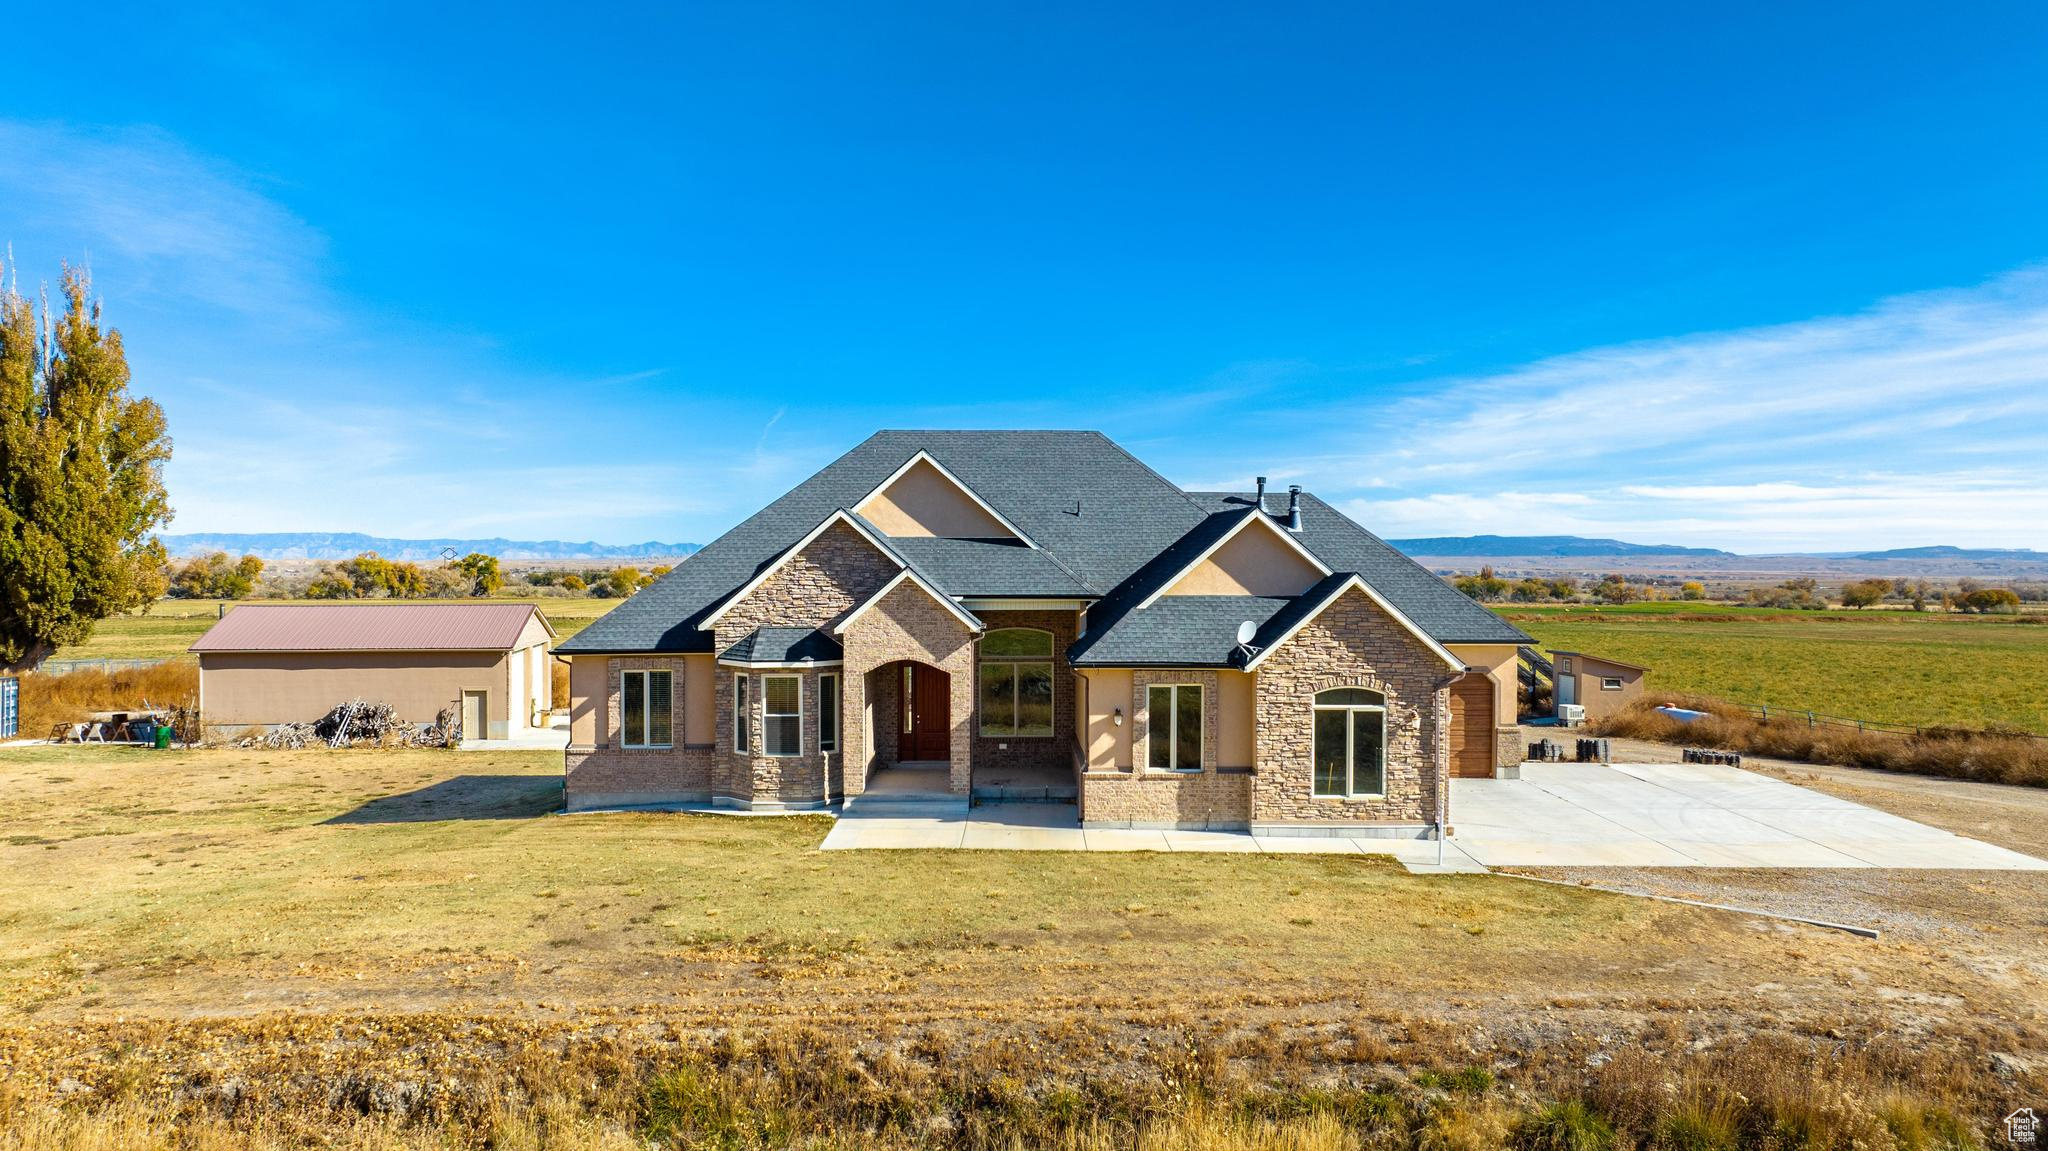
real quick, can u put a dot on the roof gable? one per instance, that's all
(1256, 557)
(1304, 610)
(924, 499)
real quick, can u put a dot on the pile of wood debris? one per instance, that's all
(358, 723)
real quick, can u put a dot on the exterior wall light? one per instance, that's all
(1118, 718)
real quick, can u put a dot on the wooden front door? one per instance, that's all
(927, 715)
(1472, 727)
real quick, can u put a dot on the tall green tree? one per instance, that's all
(81, 475)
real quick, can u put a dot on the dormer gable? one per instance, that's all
(924, 499)
(1256, 558)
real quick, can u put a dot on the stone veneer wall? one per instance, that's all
(833, 573)
(908, 624)
(607, 775)
(1508, 749)
(1055, 752)
(1352, 643)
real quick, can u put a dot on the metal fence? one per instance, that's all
(64, 666)
(1816, 720)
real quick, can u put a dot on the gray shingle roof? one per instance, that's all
(1106, 525)
(1176, 631)
(990, 568)
(1447, 614)
(1076, 494)
(783, 645)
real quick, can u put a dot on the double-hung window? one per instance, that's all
(828, 713)
(1173, 726)
(1350, 744)
(644, 708)
(782, 719)
(742, 731)
(1016, 682)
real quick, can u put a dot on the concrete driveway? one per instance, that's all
(1556, 815)
(1692, 815)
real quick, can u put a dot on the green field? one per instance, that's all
(1889, 666)
(172, 625)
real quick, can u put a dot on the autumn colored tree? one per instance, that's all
(482, 571)
(81, 475)
(216, 576)
(1865, 593)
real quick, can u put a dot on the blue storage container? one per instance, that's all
(10, 707)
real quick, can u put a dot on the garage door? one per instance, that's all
(1472, 727)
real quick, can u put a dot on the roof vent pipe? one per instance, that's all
(1262, 493)
(1294, 507)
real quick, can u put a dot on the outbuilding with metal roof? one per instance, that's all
(268, 664)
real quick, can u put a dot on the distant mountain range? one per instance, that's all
(1945, 552)
(343, 545)
(1541, 546)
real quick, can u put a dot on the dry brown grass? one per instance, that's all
(1991, 756)
(451, 1081)
(48, 700)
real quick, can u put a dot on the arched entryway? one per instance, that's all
(911, 718)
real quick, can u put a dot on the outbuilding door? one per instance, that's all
(475, 715)
(1472, 727)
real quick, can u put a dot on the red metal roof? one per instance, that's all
(369, 627)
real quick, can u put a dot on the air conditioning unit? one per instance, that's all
(1571, 714)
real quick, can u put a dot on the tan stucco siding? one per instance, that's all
(700, 700)
(586, 700)
(1499, 662)
(1254, 562)
(1108, 745)
(246, 688)
(923, 502)
(1236, 717)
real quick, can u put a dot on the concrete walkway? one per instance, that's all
(532, 739)
(1692, 815)
(1057, 827)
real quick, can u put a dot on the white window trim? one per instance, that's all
(837, 705)
(767, 715)
(1610, 683)
(1051, 661)
(1350, 749)
(741, 702)
(647, 707)
(1173, 726)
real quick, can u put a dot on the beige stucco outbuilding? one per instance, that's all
(269, 664)
(1600, 685)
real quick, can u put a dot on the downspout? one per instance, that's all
(1443, 761)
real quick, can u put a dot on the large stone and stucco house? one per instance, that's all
(946, 605)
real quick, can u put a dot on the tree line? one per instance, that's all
(1799, 594)
(371, 576)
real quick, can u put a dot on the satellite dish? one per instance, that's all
(1246, 630)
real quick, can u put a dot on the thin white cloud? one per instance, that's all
(1922, 420)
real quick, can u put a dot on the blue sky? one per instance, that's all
(1757, 277)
